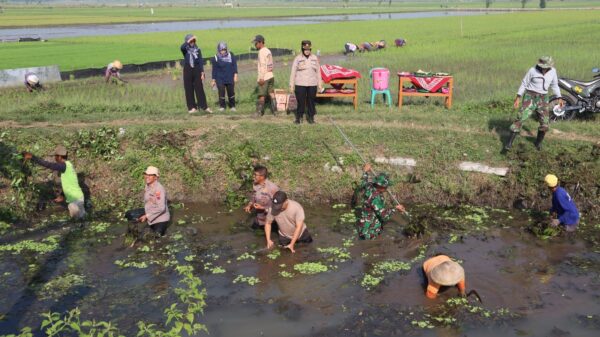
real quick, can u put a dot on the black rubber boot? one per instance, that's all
(298, 118)
(260, 109)
(509, 144)
(539, 140)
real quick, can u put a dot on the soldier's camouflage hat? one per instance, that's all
(382, 180)
(545, 62)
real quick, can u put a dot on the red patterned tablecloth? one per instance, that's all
(331, 72)
(431, 84)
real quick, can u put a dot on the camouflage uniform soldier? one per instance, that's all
(373, 214)
(534, 90)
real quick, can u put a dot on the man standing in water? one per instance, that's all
(155, 203)
(264, 190)
(266, 80)
(290, 219)
(372, 212)
(564, 212)
(71, 191)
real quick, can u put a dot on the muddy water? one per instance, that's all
(548, 287)
(142, 28)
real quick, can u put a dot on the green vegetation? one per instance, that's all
(310, 268)
(60, 286)
(250, 280)
(43, 246)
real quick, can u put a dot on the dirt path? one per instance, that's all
(200, 123)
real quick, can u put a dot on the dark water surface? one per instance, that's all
(142, 28)
(547, 288)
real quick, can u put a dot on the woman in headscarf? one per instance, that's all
(193, 75)
(224, 75)
(304, 79)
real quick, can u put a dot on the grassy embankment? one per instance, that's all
(28, 16)
(204, 157)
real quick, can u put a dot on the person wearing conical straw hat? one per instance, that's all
(113, 70)
(563, 211)
(32, 82)
(442, 271)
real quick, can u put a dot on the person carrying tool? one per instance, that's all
(261, 200)
(71, 191)
(534, 90)
(442, 271)
(32, 82)
(265, 80)
(289, 216)
(564, 212)
(372, 212)
(113, 70)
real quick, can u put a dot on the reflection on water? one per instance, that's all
(141, 28)
(550, 285)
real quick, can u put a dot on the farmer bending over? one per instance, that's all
(442, 271)
(32, 82)
(112, 70)
(289, 216)
(563, 211)
(534, 90)
(71, 191)
(372, 212)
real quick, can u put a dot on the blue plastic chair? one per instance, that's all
(387, 95)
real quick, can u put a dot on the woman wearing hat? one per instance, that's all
(563, 211)
(155, 202)
(113, 69)
(32, 82)
(193, 75)
(304, 80)
(224, 75)
(442, 271)
(536, 101)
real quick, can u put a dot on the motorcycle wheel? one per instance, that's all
(558, 114)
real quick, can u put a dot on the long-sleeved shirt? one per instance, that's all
(564, 207)
(263, 195)
(306, 71)
(59, 167)
(432, 287)
(192, 56)
(111, 71)
(155, 203)
(265, 64)
(538, 82)
(223, 69)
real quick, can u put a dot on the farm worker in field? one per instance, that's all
(193, 75)
(265, 80)
(71, 191)
(372, 214)
(350, 48)
(155, 203)
(224, 75)
(289, 216)
(442, 271)
(563, 211)
(261, 200)
(32, 82)
(113, 70)
(534, 90)
(304, 80)
(365, 46)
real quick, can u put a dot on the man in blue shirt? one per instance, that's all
(564, 212)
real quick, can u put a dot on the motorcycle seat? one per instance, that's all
(585, 84)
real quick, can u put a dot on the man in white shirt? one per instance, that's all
(534, 90)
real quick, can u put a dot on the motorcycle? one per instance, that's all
(579, 97)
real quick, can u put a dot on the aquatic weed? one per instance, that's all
(310, 268)
(246, 256)
(274, 254)
(337, 254)
(251, 280)
(46, 245)
(286, 274)
(60, 286)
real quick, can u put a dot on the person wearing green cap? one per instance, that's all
(536, 101)
(564, 212)
(71, 191)
(372, 213)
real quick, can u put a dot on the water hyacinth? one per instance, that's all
(310, 268)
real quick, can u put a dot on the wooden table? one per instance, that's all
(354, 94)
(402, 93)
